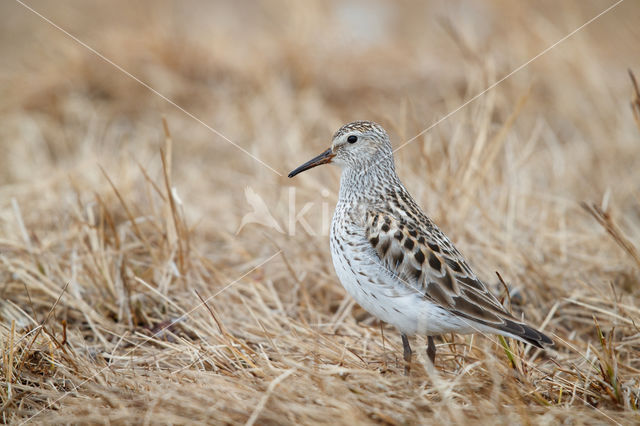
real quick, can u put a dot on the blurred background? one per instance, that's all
(249, 91)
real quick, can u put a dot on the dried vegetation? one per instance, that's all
(129, 296)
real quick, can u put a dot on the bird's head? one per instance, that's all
(356, 146)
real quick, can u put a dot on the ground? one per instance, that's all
(159, 267)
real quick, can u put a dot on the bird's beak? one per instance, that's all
(323, 158)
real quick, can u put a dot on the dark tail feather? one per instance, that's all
(513, 329)
(526, 334)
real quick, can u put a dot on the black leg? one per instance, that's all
(407, 354)
(431, 350)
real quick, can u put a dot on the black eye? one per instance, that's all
(352, 139)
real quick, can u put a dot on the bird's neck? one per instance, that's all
(369, 182)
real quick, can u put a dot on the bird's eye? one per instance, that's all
(352, 139)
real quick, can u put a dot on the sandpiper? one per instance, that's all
(393, 260)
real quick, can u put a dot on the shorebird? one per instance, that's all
(393, 260)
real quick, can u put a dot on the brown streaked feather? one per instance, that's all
(431, 265)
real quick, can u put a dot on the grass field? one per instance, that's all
(121, 205)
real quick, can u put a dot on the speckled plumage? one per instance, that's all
(393, 260)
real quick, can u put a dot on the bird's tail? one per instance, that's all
(524, 333)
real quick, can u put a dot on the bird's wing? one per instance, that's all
(429, 264)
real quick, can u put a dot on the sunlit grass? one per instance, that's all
(130, 296)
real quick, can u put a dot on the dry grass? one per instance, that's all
(103, 272)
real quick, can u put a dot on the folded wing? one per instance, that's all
(429, 264)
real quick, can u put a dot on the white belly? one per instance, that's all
(384, 296)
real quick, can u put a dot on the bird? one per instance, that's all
(393, 259)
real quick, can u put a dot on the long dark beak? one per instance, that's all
(323, 158)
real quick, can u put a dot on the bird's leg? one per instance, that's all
(407, 354)
(431, 350)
